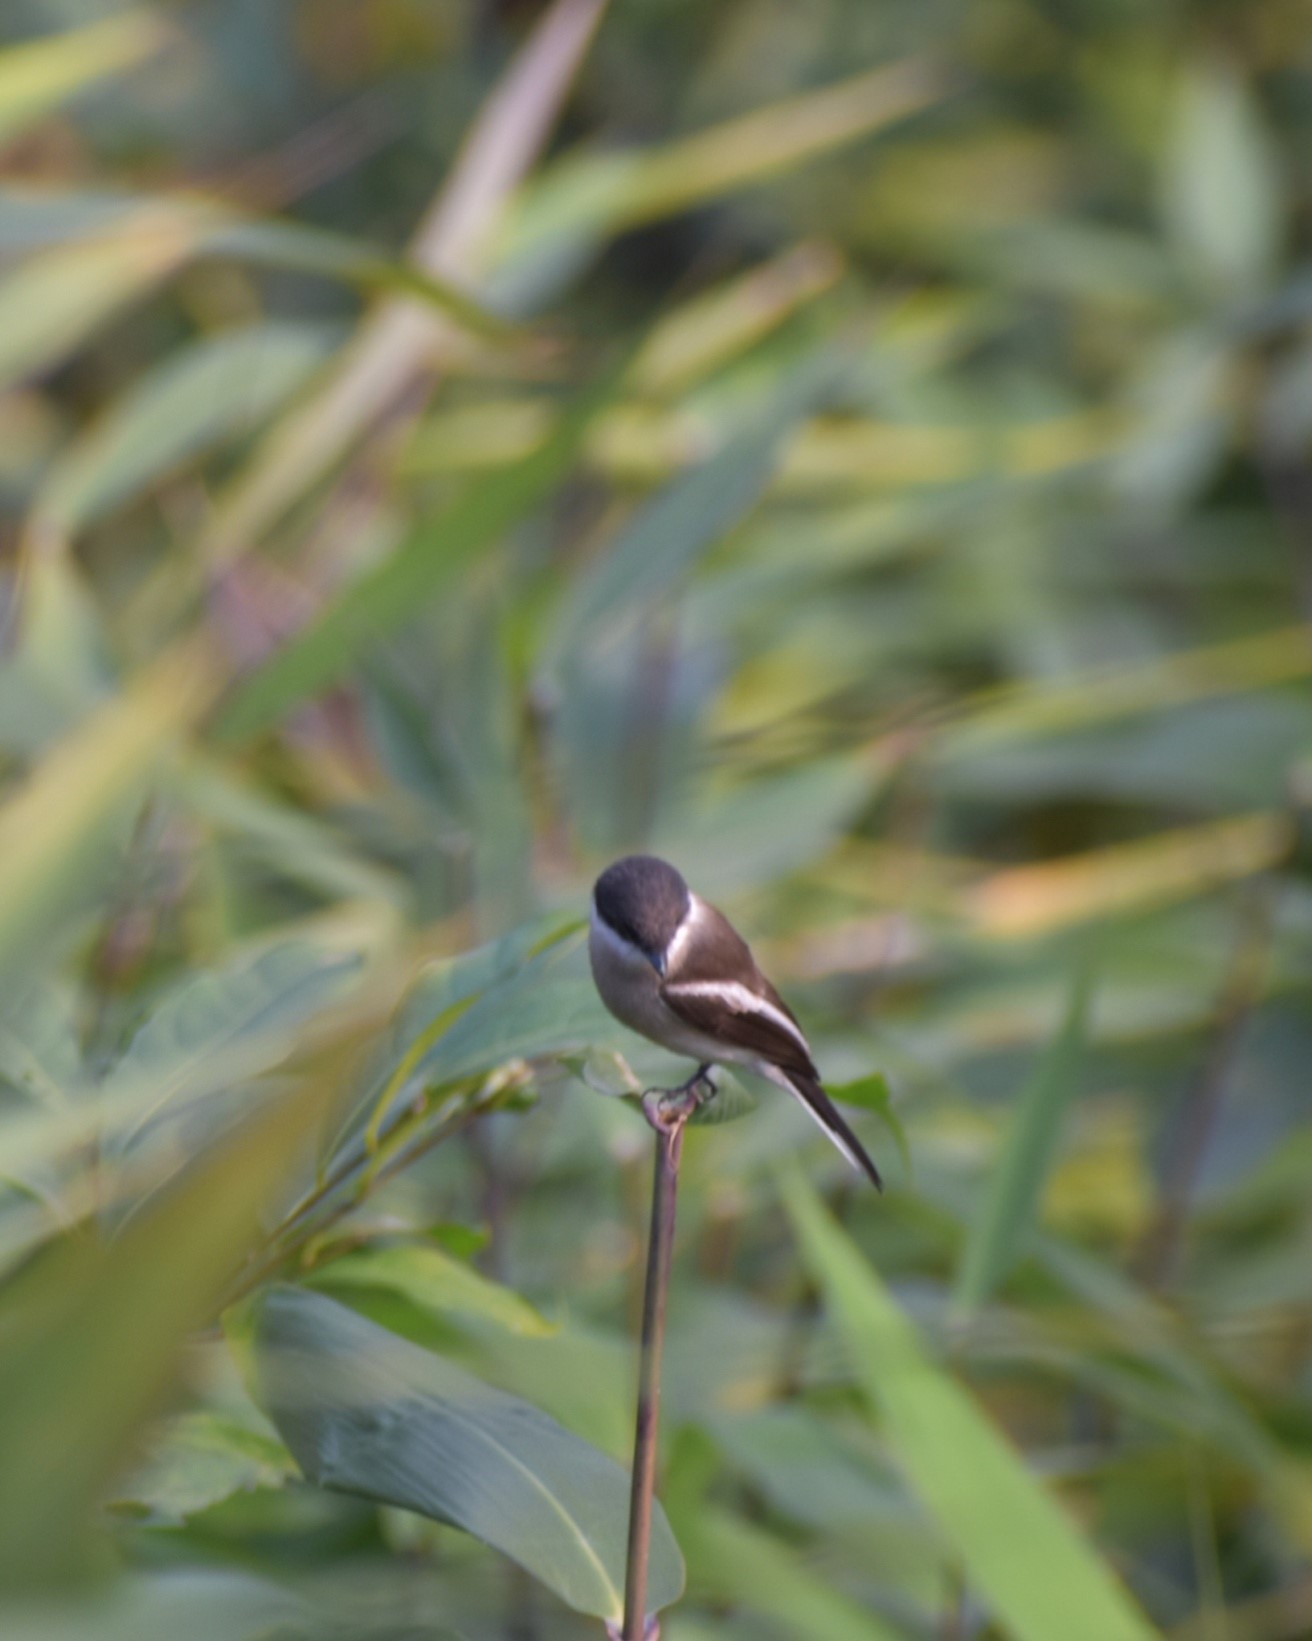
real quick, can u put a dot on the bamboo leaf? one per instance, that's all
(41, 74)
(1223, 192)
(872, 1093)
(214, 1029)
(433, 1281)
(196, 399)
(54, 301)
(55, 830)
(198, 1461)
(584, 199)
(661, 544)
(204, 1605)
(1006, 1211)
(93, 1329)
(418, 571)
(366, 1412)
(735, 1561)
(1039, 1576)
(401, 343)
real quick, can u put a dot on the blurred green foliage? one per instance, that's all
(858, 449)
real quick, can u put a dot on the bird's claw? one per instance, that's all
(668, 1108)
(651, 1631)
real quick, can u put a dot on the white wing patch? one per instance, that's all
(740, 999)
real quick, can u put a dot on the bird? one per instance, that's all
(671, 967)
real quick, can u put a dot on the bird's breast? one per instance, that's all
(629, 985)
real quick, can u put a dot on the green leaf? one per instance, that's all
(39, 1049)
(215, 1029)
(200, 1605)
(549, 1006)
(735, 1561)
(38, 75)
(733, 1099)
(1020, 1550)
(397, 590)
(1006, 1212)
(757, 831)
(58, 831)
(368, 1413)
(660, 545)
(814, 1473)
(872, 1093)
(303, 848)
(196, 399)
(1223, 188)
(433, 1281)
(198, 1461)
(355, 262)
(53, 302)
(583, 200)
(92, 1332)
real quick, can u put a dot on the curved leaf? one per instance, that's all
(368, 1413)
(202, 1459)
(434, 1281)
(53, 302)
(40, 74)
(201, 395)
(215, 1028)
(93, 1330)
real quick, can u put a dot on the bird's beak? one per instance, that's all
(657, 961)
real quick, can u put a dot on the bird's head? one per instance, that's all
(644, 900)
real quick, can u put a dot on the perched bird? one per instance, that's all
(673, 968)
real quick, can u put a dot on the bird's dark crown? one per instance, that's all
(644, 899)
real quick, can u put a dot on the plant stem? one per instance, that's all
(668, 1114)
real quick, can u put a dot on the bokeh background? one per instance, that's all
(858, 449)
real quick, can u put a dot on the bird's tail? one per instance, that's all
(819, 1106)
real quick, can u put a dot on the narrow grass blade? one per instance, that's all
(402, 342)
(594, 197)
(734, 1561)
(41, 74)
(1122, 879)
(1021, 1551)
(55, 830)
(1006, 1213)
(54, 301)
(196, 399)
(397, 590)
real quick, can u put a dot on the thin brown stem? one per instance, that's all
(668, 1114)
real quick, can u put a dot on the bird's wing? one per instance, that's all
(718, 990)
(730, 1013)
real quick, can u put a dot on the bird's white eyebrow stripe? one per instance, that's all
(680, 937)
(740, 999)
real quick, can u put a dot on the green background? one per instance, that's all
(858, 449)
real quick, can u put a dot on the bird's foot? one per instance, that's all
(669, 1108)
